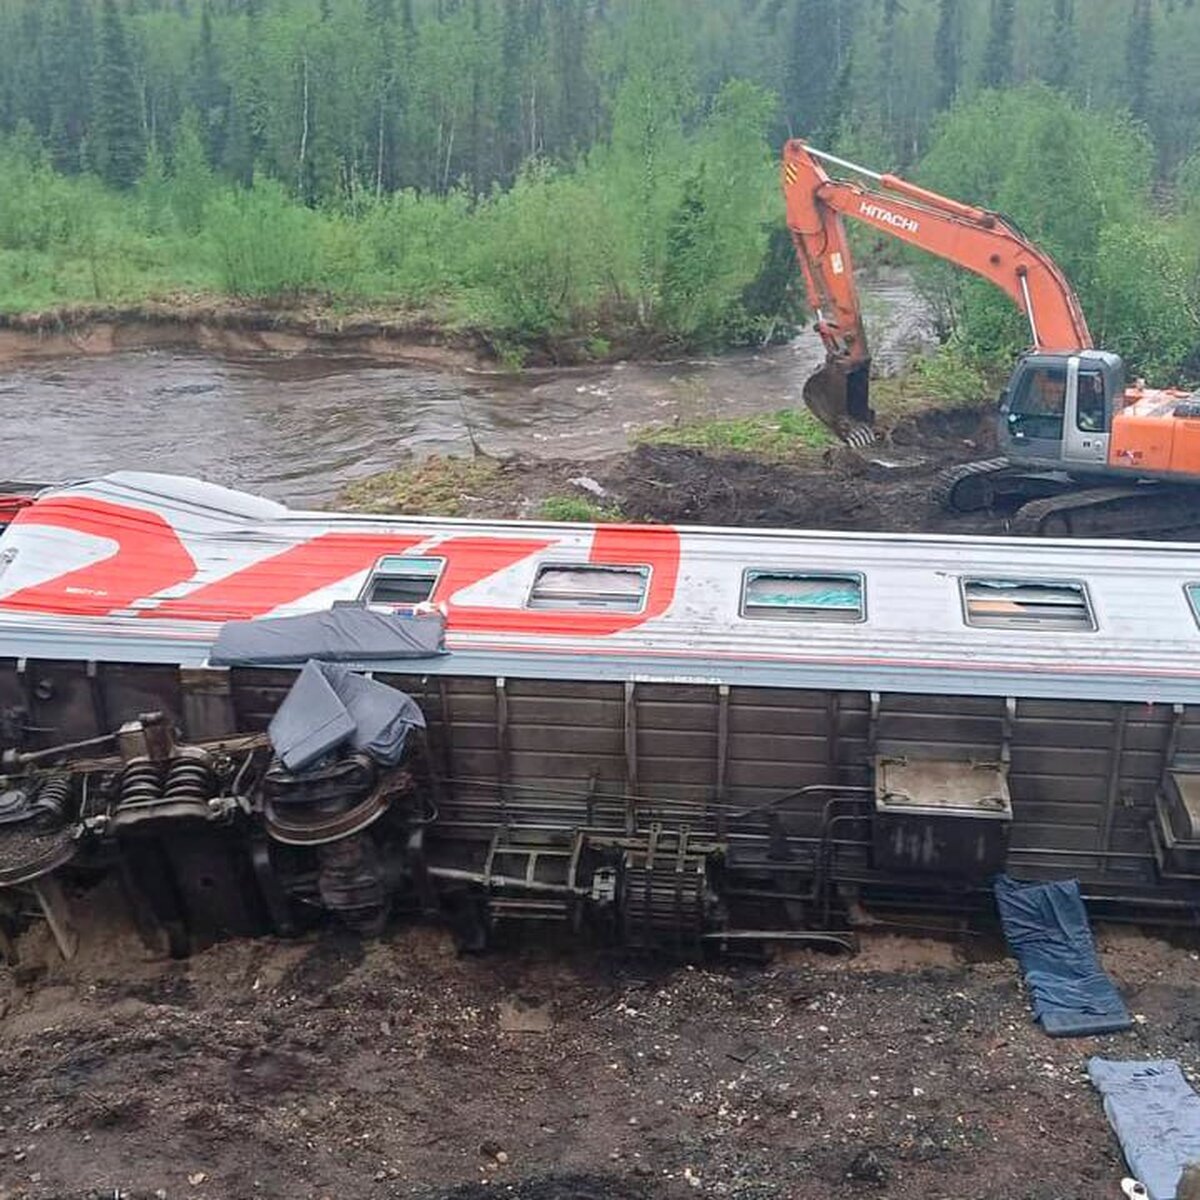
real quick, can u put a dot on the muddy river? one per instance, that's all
(299, 428)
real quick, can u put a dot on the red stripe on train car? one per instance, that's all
(284, 578)
(147, 558)
(469, 558)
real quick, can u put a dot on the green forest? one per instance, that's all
(535, 169)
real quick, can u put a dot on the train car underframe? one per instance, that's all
(670, 816)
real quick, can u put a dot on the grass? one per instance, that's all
(946, 379)
(437, 487)
(777, 436)
(576, 508)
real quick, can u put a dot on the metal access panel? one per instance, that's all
(1175, 829)
(941, 815)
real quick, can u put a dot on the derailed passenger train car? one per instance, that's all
(669, 736)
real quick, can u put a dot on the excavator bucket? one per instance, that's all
(839, 397)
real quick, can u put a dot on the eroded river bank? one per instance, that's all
(300, 427)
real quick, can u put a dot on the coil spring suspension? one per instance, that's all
(190, 777)
(51, 802)
(141, 782)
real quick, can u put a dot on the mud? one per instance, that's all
(839, 489)
(334, 1067)
(836, 489)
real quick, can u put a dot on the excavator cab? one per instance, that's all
(1058, 408)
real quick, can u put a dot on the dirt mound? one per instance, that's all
(680, 485)
(887, 489)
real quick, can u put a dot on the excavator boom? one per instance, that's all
(973, 238)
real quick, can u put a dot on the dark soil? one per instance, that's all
(888, 489)
(338, 1068)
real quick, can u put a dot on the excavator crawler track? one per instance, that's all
(1134, 511)
(965, 488)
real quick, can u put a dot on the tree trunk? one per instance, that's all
(303, 131)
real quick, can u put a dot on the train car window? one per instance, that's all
(402, 581)
(587, 588)
(801, 595)
(1026, 604)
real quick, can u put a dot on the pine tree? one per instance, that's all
(838, 104)
(69, 63)
(209, 92)
(887, 59)
(381, 20)
(1139, 58)
(120, 146)
(998, 54)
(191, 177)
(478, 164)
(806, 75)
(31, 82)
(575, 102)
(1057, 65)
(244, 123)
(947, 52)
(509, 117)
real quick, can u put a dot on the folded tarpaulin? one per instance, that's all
(311, 721)
(383, 716)
(344, 633)
(1156, 1117)
(1047, 929)
(329, 705)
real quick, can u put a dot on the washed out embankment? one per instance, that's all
(661, 481)
(313, 326)
(230, 328)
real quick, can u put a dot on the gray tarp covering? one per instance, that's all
(329, 705)
(1047, 928)
(344, 633)
(382, 715)
(1155, 1115)
(311, 721)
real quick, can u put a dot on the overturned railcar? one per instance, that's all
(664, 736)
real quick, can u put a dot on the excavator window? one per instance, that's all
(1091, 415)
(1040, 401)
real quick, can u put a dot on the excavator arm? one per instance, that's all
(972, 238)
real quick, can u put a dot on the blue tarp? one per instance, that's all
(1155, 1115)
(1047, 929)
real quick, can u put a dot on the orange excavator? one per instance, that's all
(1082, 453)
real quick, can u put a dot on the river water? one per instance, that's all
(299, 428)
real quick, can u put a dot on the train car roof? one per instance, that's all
(141, 567)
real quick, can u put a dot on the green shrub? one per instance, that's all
(266, 243)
